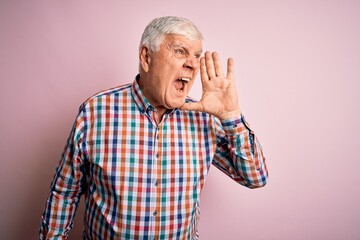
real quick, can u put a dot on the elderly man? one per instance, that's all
(140, 153)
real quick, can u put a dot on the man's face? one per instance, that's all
(172, 71)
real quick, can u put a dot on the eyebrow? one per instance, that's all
(186, 48)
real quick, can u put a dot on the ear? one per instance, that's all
(145, 58)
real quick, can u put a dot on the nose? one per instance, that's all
(192, 62)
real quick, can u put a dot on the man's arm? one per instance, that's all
(66, 188)
(238, 151)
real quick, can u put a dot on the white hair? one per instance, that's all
(155, 31)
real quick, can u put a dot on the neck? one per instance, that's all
(160, 110)
(160, 115)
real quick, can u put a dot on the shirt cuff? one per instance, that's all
(235, 126)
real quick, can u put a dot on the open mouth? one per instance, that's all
(181, 83)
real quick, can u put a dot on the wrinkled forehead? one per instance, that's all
(176, 40)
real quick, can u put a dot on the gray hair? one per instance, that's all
(154, 32)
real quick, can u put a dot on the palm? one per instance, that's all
(219, 96)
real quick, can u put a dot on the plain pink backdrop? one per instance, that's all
(297, 72)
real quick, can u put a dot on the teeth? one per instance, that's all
(182, 82)
(185, 79)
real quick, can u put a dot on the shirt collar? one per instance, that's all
(143, 104)
(138, 96)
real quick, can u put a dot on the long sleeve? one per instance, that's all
(239, 153)
(66, 188)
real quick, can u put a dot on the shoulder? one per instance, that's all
(108, 94)
(116, 91)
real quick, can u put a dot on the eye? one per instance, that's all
(179, 51)
(197, 56)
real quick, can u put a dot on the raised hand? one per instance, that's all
(219, 96)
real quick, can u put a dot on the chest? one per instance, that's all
(175, 154)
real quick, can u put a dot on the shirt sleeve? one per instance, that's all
(66, 188)
(239, 154)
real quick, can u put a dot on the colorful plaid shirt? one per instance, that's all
(143, 180)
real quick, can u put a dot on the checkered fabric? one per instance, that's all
(142, 180)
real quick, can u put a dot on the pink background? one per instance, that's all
(298, 76)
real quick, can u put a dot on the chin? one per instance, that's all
(176, 104)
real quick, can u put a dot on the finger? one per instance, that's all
(230, 69)
(209, 65)
(203, 74)
(191, 106)
(217, 65)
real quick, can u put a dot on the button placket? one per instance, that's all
(155, 155)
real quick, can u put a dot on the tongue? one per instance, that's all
(178, 85)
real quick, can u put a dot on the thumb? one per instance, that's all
(191, 106)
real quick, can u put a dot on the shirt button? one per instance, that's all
(156, 183)
(157, 137)
(157, 155)
(235, 125)
(155, 213)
